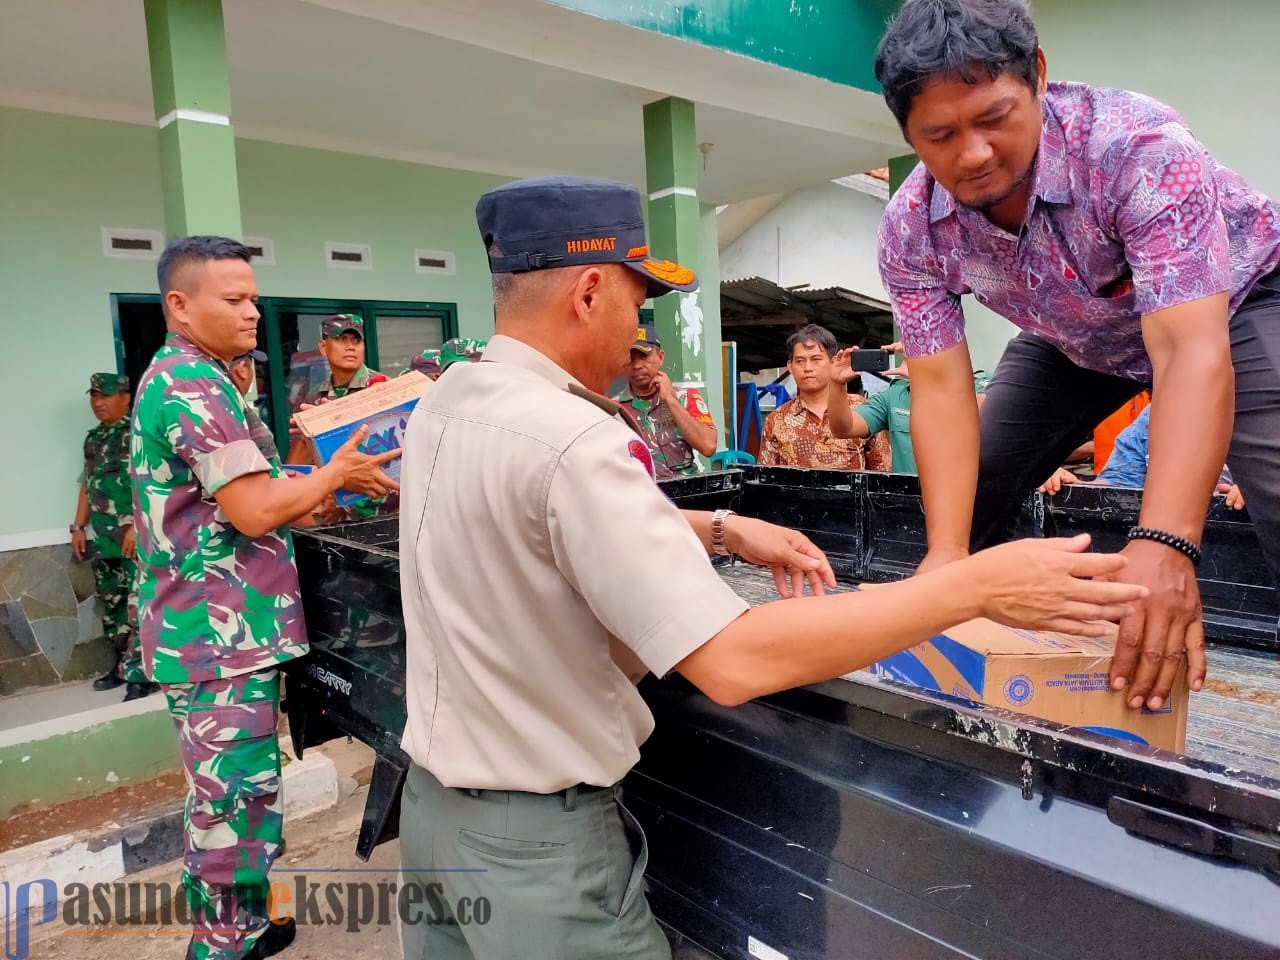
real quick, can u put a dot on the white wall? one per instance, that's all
(1194, 57)
(828, 239)
(1217, 65)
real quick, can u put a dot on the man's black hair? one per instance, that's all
(186, 251)
(812, 333)
(968, 40)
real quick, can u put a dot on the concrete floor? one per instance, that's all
(48, 703)
(315, 845)
(319, 843)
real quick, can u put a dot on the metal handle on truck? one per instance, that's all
(1187, 833)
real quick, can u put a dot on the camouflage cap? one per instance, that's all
(427, 362)
(461, 349)
(108, 383)
(341, 323)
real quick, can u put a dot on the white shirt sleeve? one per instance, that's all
(631, 554)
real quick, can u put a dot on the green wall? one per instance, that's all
(61, 181)
(1216, 64)
(832, 39)
(64, 178)
(301, 198)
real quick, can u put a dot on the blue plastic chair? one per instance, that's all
(728, 458)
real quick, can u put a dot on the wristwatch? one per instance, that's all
(718, 544)
(77, 527)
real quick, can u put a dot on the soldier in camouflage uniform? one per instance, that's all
(244, 375)
(342, 343)
(106, 504)
(457, 350)
(674, 421)
(218, 598)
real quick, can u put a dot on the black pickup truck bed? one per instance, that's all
(1234, 722)
(862, 818)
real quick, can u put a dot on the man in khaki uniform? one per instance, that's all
(543, 573)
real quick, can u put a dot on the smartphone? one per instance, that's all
(870, 361)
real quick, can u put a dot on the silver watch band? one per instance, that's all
(718, 544)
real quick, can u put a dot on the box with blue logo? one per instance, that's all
(384, 408)
(1049, 675)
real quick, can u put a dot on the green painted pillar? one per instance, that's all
(709, 300)
(899, 169)
(188, 53)
(675, 232)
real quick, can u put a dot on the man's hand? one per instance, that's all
(900, 370)
(1046, 585)
(129, 545)
(328, 511)
(842, 365)
(1235, 499)
(666, 390)
(1156, 635)
(295, 432)
(361, 472)
(1061, 477)
(787, 554)
(79, 543)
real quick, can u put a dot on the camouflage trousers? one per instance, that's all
(116, 580)
(235, 814)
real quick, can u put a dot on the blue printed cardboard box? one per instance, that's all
(1053, 676)
(384, 408)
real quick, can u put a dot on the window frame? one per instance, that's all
(271, 309)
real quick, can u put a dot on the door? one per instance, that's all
(289, 334)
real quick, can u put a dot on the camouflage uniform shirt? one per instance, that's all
(106, 481)
(672, 455)
(359, 381)
(369, 506)
(213, 602)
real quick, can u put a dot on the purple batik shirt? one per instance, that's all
(1129, 214)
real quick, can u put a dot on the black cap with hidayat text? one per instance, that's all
(551, 222)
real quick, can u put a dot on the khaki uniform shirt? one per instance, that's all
(542, 573)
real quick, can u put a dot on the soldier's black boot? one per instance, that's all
(136, 691)
(277, 937)
(110, 680)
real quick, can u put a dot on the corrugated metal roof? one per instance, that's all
(760, 315)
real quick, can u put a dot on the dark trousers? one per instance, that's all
(560, 878)
(1040, 406)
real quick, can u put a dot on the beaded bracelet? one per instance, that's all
(1181, 544)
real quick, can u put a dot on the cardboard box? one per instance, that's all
(384, 408)
(1049, 675)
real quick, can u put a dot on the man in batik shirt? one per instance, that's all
(798, 433)
(674, 421)
(1129, 257)
(218, 600)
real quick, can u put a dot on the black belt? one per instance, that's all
(569, 795)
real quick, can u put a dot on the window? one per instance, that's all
(401, 338)
(289, 333)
